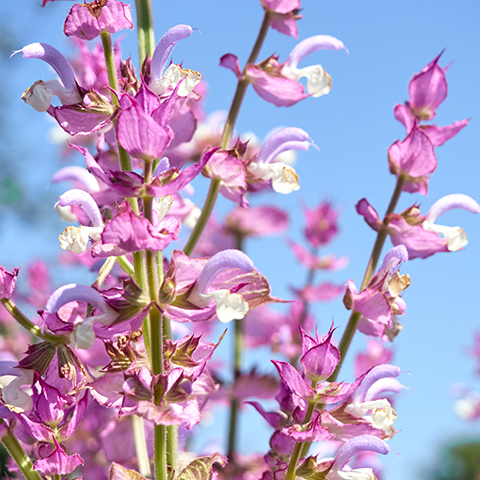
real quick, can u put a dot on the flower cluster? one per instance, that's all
(117, 374)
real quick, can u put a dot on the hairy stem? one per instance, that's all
(292, 466)
(146, 34)
(126, 266)
(20, 457)
(30, 326)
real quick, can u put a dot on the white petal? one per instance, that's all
(74, 239)
(84, 335)
(173, 74)
(16, 399)
(162, 206)
(284, 179)
(455, 236)
(66, 214)
(230, 306)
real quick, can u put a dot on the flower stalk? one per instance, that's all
(226, 136)
(352, 324)
(30, 326)
(20, 457)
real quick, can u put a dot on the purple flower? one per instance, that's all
(414, 158)
(351, 448)
(128, 233)
(380, 299)
(278, 83)
(225, 286)
(321, 224)
(263, 166)
(428, 89)
(7, 282)
(82, 112)
(88, 20)
(39, 95)
(163, 78)
(422, 236)
(284, 15)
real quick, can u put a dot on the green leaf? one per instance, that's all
(201, 468)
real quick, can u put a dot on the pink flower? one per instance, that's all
(225, 286)
(428, 89)
(321, 224)
(422, 236)
(284, 15)
(7, 282)
(88, 20)
(414, 158)
(380, 300)
(82, 112)
(279, 83)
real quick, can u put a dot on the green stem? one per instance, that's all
(292, 466)
(243, 83)
(20, 457)
(141, 446)
(238, 345)
(146, 35)
(110, 63)
(226, 136)
(30, 326)
(172, 448)
(234, 403)
(156, 336)
(160, 455)
(172, 430)
(105, 269)
(125, 160)
(369, 272)
(204, 216)
(126, 266)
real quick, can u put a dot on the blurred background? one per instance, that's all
(353, 127)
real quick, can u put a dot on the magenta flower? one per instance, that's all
(380, 300)
(88, 20)
(437, 135)
(414, 158)
(284, 15)
(264, 168)
(428, 89)
(351, 448)
(376, 354)
(225, 286)
(279, 83)
(163, 78)
(311, 261)
(7, 282)
(256, 221)
(321, 224)
(82, 112)
(39, 95)
(420, 234)
(320, 356)
(129, 232)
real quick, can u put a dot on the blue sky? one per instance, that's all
(353, 126)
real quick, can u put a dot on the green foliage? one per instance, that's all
(459, 461)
